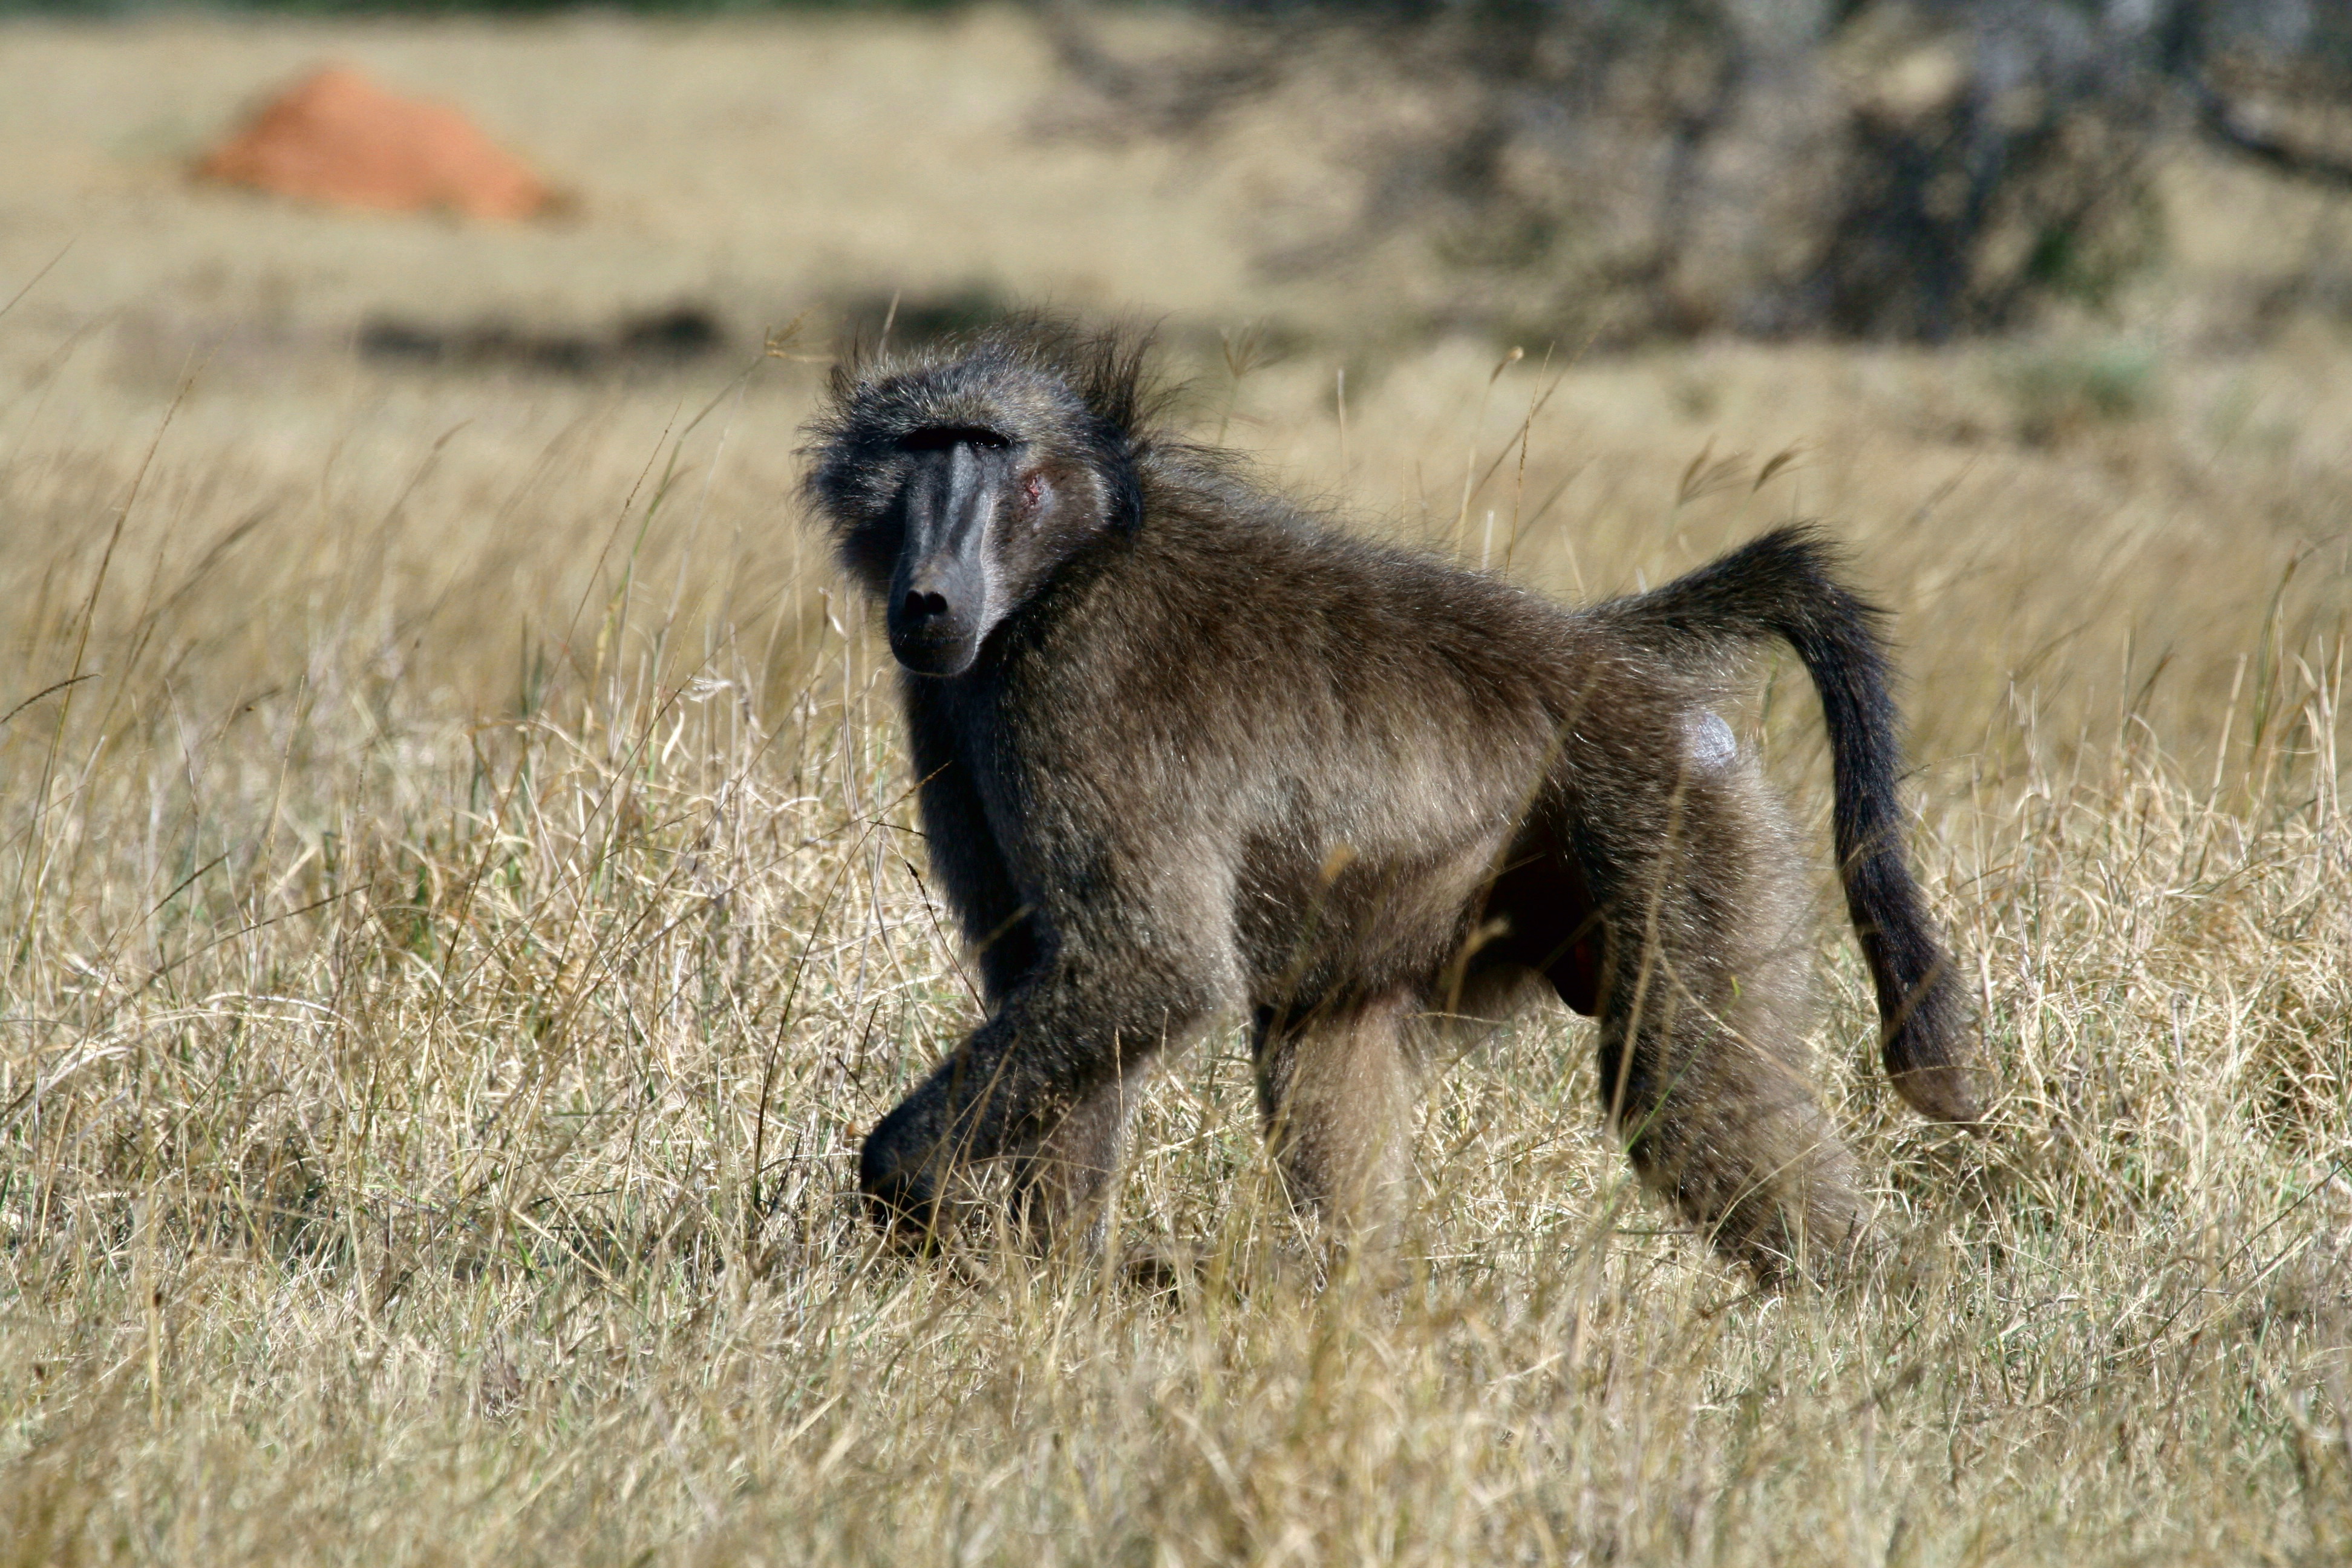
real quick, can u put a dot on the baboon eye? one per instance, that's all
(938, 437)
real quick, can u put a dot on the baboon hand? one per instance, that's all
(898, 1170)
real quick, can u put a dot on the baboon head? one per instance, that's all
(960, 481)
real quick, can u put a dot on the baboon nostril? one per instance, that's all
(921, 606)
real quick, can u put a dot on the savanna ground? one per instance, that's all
(459, 907)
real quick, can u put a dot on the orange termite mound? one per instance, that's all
(338, 137)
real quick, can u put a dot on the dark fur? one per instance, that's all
(1189, 752)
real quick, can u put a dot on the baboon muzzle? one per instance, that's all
(931, 630)
(938, 609)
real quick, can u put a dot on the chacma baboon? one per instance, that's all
(1187, 752)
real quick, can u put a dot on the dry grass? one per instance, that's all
(459, 918)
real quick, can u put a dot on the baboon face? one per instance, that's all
(956, 508)
(985, 519)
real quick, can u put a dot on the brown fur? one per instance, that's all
(1187, 752)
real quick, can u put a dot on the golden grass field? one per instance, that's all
(459, 910)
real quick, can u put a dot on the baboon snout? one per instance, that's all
(934, 622)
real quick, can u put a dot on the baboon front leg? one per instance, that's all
(1063, 1185)
(1337, 1088)
(1045, 1083)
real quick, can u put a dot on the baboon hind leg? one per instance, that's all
(1703, 1004)
(1337, 1088)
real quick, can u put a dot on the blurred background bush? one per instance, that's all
(1619, 170)
(1881, 170)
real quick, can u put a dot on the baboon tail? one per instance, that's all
(1786, 584)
